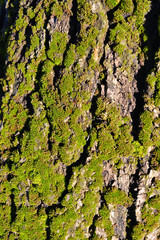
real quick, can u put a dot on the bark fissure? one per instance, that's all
(74, 24)
(79, 162)
(92, 228)
(133, 190)
(153, 42)
(13, 208)
(37, 89)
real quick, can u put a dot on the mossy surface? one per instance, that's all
(58, 127)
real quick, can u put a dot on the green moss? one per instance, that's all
(13, 121)
(5, 220)
(100, 108)
(21, 20)
(150, 218)
(157, 91)
(139, 150)
(39, 18)
(65, 132)
(155, 161)
(103, 222)
(26, 226)
(30, 13)
(146, 119)
(90, 204)
(112, 3)
(117, 197)
(127, 6)
(142, 9)
(85, 14)
(124, 38)
(88, 40)
(93, 173)
(151, 80)
(70, 56)
(124, 141)
(66, 84)
(60, 226)
(57, 47)
(106, 144)
(146, 123)
(57, 9)
(145, 138)
(118, 163)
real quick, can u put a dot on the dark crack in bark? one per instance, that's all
(73, 37)
(13, 209)
(92, 228)
(81, 161)
(133, 190)
(74, 24)
(37, 89)
(151, 27)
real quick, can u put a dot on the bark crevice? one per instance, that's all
(153, 42)
(133, 190)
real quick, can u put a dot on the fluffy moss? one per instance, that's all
(117, 197)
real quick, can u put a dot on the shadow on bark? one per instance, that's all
(151, 27)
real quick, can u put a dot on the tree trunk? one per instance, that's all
(80, 128)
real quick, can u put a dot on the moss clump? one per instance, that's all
(112, 3)
(106, 144)
(117, 197)
(28, 223)
(103, 223)
(13, 121)
(57, 48)
(70, 56)
(155, 160)
(157, 90)
(146, 123)
(150, 218)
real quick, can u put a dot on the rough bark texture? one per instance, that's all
(80, 126)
